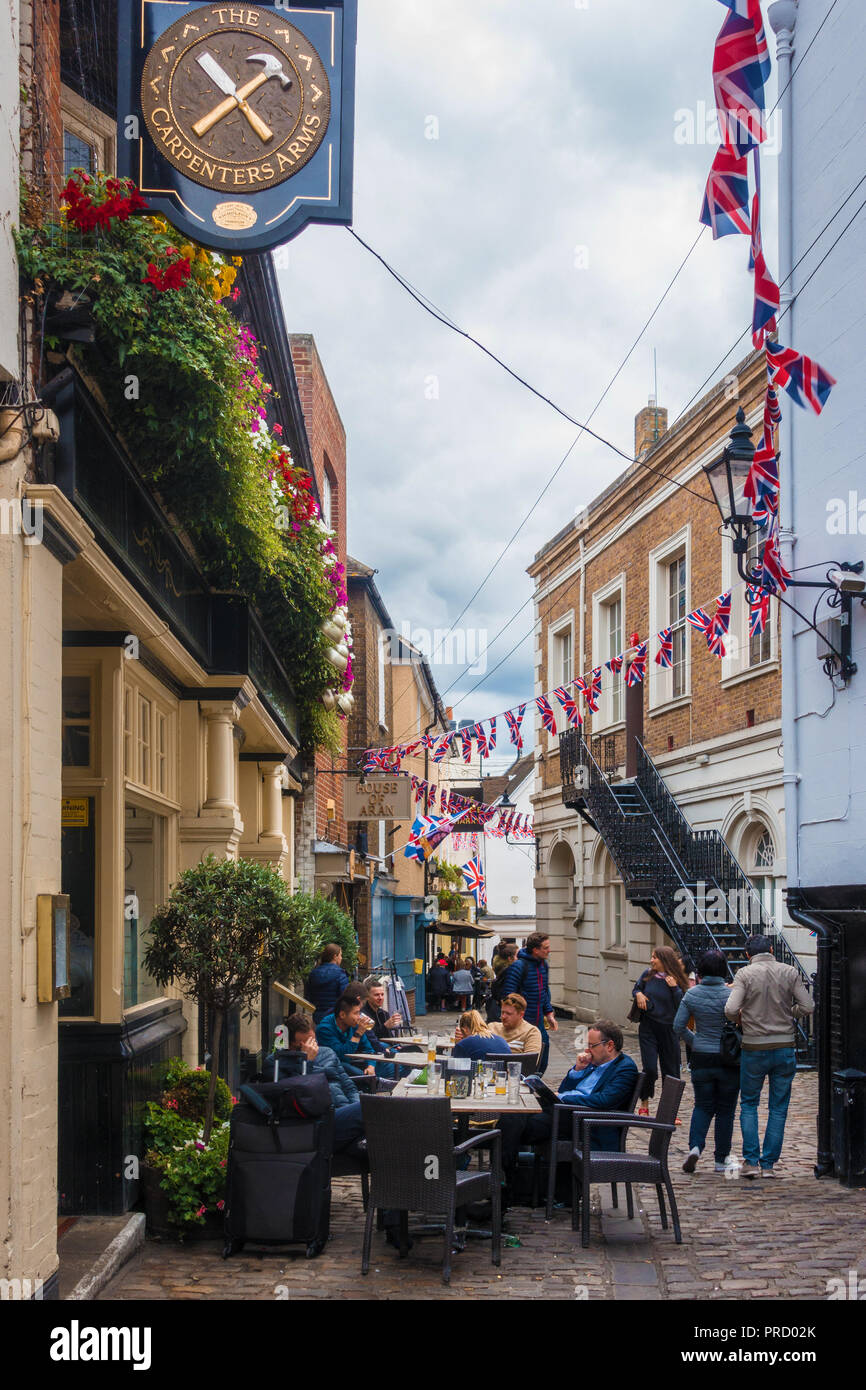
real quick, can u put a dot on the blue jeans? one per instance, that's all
(716, 1090)
(348, 1126)
(545, 1049)
(779, 1065)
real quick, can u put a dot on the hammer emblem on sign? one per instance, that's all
(238, 97)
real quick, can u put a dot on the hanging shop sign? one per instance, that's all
(236, 122)
(377, 798)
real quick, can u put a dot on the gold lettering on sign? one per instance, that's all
(304, 58)
(165, 53)
(188, 27)
(150, 547)
(154, 86)
(235, 216)
(317, 92)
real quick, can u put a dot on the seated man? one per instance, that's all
(520, 1035)
(347, 1030)
(603, 1078)
(348, 1124)
(384, 1025)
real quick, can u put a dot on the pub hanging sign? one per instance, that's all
(236, 122)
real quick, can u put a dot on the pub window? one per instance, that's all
(144, 745)
(77, 154)
(76, 721)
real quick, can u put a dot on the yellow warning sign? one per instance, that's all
(74, 810)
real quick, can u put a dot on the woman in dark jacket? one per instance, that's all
(657, 994)
(326, 982)
(716, 1081)
(439, 983)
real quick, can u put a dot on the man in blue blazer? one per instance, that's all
(602, 1078)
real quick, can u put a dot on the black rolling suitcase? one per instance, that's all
(278, 1175)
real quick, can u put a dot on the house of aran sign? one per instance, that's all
(377, 798)
(236, 122)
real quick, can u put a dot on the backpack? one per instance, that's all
(497, 989)
(731, 1044)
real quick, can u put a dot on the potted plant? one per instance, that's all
(183, 1178)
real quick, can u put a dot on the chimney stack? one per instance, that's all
(649, 426)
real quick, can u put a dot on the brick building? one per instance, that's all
(642, 555)
(395, 700)
(322, 845)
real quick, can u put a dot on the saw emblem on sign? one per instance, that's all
(235, 97)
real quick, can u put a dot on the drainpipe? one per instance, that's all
(581, 882)
(783, 18)
(825, 1161)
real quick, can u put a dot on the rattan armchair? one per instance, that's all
(590, 1165)
(413, 1167)
(560, 1146)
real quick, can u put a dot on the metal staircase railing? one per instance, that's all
(663, 862)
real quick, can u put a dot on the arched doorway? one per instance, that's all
(557, 917)
(614, 983)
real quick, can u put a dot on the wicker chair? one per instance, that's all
(593, 1166)
(402, 1138)
(559, 1150)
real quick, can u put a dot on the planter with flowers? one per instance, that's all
(182, 381)
(183, 1177)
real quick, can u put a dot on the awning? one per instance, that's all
(452, 929)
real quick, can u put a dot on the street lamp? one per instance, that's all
(727, 477)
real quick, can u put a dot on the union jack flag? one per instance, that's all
(480, 735)
(741, 66)
(766, 302)
(443, 747)
(407, 749)
(665, 653)
(427, 741)
(615, 664)
(593, 690)
(473, 875)
(569, 705)
(759, 604)
(762, 484)
(746, 9)
(804, 380)
(514, 719)
(491, 737)
(720, 625)
(466, 740)
(546, 712)
(726, 200)
(443, 800)
(699, 619)
(636, 669)
(772, 409)
(380, 758)
(774, 576)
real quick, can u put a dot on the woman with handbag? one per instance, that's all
(715, 1075)
(657, 996)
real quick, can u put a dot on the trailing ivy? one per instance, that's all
(176, 373)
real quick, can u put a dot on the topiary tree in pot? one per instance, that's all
(225, 923)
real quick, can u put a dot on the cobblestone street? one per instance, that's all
(782, 1239)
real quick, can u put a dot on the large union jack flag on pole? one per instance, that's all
(473, 873)
(804, 380)
(726, 200)
(741, 66)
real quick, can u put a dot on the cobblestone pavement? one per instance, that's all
(743, 1239)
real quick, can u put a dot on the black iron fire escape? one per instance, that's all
(687, 880)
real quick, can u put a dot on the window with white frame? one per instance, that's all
(560, 657)
(608, 627)
(669, 603)
(326, 500)
(745, 655)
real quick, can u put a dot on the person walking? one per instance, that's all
(767, 996)
(657, 995)
(501, 961)
(527, 976)
(715, 1081)
(438, 983)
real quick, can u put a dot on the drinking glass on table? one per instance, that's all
(487, 1078)
(434, 1073)
(501, 1080)
(431, 1047)
(513, 1082)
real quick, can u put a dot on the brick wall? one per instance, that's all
(713, 709)
(41, 120)
(327, 439)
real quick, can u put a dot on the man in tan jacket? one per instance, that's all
(767, 996)
(520, 1035)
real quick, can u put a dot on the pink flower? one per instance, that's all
(201, 1211)
(220, 1206)
(199, 1145)
(222, 1163)
(278, 430)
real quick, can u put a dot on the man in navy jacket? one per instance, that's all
(527, 976)
(603, 1078)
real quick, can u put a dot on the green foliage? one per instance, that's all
(192, 1173)
(321, 920)
(189, 431)
(225, 922)
(186, 1092)
(450, 880)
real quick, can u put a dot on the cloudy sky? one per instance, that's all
(535, 168)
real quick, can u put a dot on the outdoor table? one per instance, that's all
(403, 1058)
(526, 1104)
